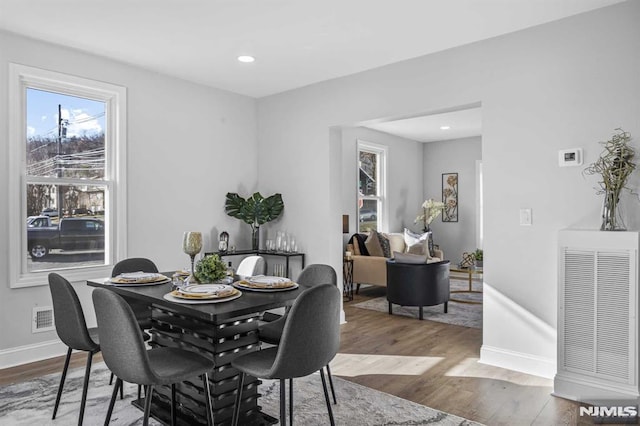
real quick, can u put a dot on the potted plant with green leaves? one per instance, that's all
(256, 210)
(478, 255)
(210, 269)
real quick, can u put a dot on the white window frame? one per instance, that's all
(115, 99)
(383, 153)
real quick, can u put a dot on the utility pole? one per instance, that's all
(59, 163)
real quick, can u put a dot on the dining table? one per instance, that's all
(221, 331)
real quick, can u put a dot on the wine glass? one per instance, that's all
(191, 245)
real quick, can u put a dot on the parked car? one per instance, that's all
(80, 211)
(49, 212)
(71, 234)
(368, 215)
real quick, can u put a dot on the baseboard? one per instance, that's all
(31, 353)
(518, 361)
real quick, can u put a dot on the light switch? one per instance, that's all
(525, 217)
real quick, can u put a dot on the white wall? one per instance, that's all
(404, 177)
(561, 85)
(187, 146)
(454, 156)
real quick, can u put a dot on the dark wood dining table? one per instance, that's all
(221, 331)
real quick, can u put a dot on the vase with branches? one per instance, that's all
(615, 165)
(430, 210)
(256, 210)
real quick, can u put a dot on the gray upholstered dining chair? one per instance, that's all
(310, 339)
(125, 354)
(72, 330)
(141, 310)
(312, 275)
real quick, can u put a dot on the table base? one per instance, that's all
(471, 302)
(220, 342)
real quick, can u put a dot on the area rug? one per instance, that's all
(31, 403)
(465, 314)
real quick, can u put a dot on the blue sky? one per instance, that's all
(84, 116)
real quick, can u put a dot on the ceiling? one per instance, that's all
(295, 42)
(436, 127)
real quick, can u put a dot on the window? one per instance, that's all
(371, 186)
(67, 176)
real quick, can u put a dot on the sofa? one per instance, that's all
(370, 253)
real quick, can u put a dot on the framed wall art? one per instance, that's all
(450, 197)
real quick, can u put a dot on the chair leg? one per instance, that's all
(207, 398)
(446, 307)
(122, 392)
(173, 404)
(333, 391)
(291, 402)
(139, 392)
(147, 405)
(283, 403)
(357, 288)
(421, 312)
(326, 397)
(83, 402)
(390, 308)
(114, 395)
(111, 379)
(236, 408)
(62, 379)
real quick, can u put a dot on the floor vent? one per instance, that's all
(42, 319)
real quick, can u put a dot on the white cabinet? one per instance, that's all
(597, 315)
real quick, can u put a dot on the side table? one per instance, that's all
(347, 275)
(470, 272)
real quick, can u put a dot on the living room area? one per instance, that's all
(540, 90)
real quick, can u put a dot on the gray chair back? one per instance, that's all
(318, 274)
(311, 335)
(134, 264)
(123, 348)
(69, 316)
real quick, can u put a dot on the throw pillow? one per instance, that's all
(419, 248)
(396, 241)
(411, 239)
(384, 244)
(373, 245)
(409, 258)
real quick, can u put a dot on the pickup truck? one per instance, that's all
(71, 234)
(39, 222)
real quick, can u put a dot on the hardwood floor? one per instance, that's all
(436, 364)
(430, 363)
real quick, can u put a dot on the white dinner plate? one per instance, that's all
(164, 281)
(172, 298)
(238, 284)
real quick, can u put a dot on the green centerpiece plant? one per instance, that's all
(614, 166)
(479, 257)
(255, 211)
(210, 269)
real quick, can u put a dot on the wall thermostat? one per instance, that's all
(570, 157)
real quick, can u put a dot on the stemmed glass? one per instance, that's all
(191, 245)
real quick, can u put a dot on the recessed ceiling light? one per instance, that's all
(246, 58)
(445, 127)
